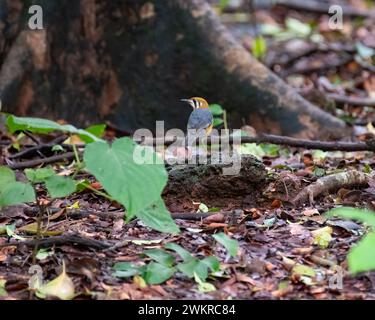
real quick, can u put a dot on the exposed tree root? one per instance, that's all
(330, 183)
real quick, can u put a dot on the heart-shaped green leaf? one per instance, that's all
(134, 185)
(160, 256)
(229, 244)
(157, 273)
(361, 257)
(16, 193)
(59, 187)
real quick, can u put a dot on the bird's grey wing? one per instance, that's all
(200, 119)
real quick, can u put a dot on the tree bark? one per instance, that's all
(128, 63)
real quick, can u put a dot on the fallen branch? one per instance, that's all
(113, 215)
(315, 67)
(321, 7)
(330, 183)
(286, 141)
(37, 162)
(263, 138)
(355, 101)
(61, 240)
(313, 48)
(40, 147)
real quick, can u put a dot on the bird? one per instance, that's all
(200, 120)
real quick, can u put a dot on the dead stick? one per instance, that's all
(319, 7)
(34, 163)
(39, 147)
(355, 101)
(112, 215)
(264, 138)
(61, 240)
(286, 141)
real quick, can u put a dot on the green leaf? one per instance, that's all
(38, 125)
(3, 292)
(158, 217)
(259, 47)
(270, 29)
(203, 286)
(223, 3)
(361, 258)
(157, 273)
(252, 149)
(57, 148)
(203, 208)
(10, 232)
(160, 256)
(125, 270)
(270, 150)
(134, 185)
(303, 270)
(194, 266)
(183, 253)
(6, 176)
(212, 262)
(16, 193)
(96, 130)
(363, 215)
(367, 168)
(298, 27)
(43, 254)
(229, 244)
(39, 175)
(322, 236)
(217, 122)
(59, 187)
(216, 109)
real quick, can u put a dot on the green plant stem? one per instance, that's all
(76, 155)
(225, 120)
(99, 193)
(79, 166)
(38, 225)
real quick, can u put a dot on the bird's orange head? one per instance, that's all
(197, 102)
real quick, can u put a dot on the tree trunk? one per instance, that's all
(128, 63)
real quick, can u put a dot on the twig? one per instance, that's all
(329, 183)
(37, 162)
(40, 147)
(263, 138)
(321, 47)
(321, 7)
(28, 134)
(308, 68)
(355, 101)
(61, 240)
(286, 141)
(113, 215)
(322, 261)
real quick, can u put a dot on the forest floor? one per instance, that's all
(285, 251)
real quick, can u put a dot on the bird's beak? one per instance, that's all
(189, 101)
